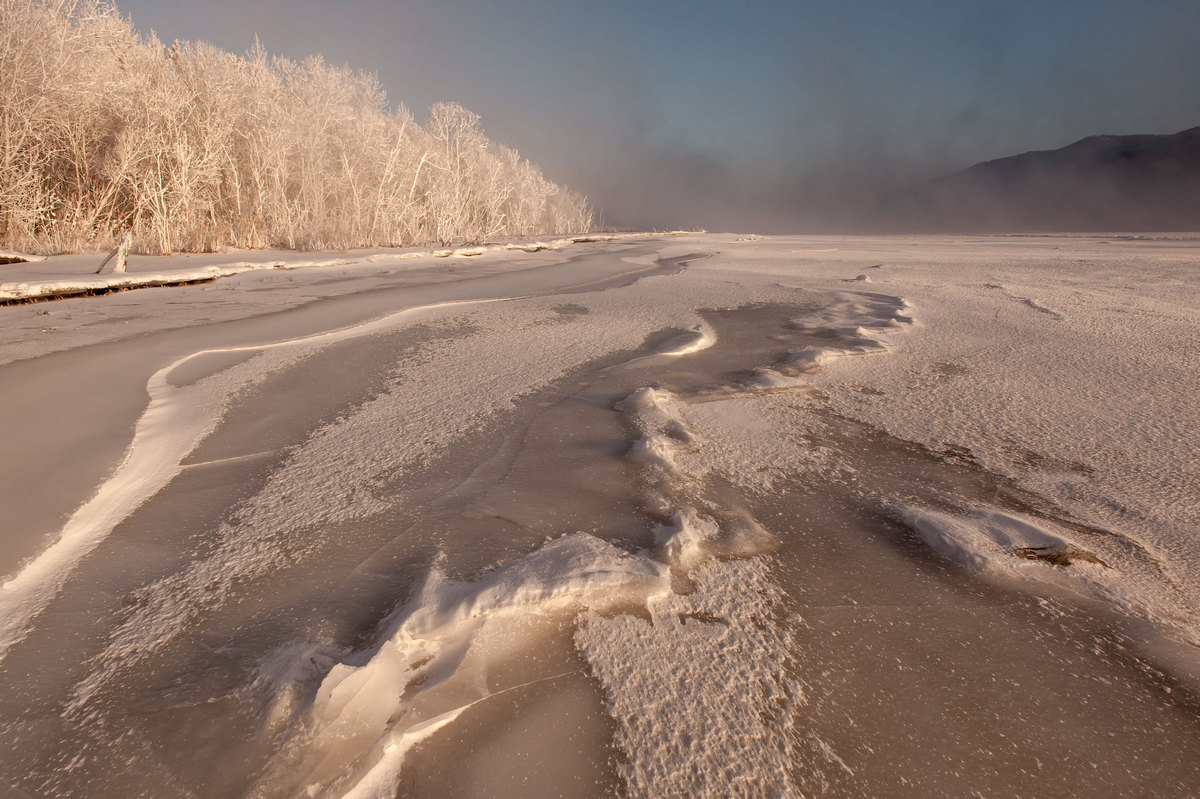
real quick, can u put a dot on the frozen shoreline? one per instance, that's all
(35, 278)
(987, 353)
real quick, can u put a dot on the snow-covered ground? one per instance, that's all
(1068, 364)
(705, 515)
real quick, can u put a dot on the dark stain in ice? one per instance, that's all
(949, 369)
(565, 314)
(703, 618)
(952, 453)
(1049, 463)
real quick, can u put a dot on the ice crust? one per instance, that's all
(701, 690)
(342, 471)
(1065, 364)
(440, 648)
(323, 481)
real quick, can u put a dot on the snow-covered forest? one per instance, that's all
(192, 148)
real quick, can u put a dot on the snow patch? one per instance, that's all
(32, 290)
(769, 379)
(988, 538)
(28, 290)
(701, 691)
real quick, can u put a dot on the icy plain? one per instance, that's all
(701, 515)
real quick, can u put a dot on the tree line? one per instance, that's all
(191, 148)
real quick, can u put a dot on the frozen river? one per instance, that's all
(692, 516)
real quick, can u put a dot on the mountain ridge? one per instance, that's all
(1142, 182)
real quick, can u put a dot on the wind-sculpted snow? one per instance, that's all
(703, 338)
(352, 740)
(342, 470)
(435, 659)
(861, 321)
(721, 633)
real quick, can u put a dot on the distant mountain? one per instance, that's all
(1143, 183)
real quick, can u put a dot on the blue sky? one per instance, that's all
(746, 115)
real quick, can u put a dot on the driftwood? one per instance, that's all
(118, 255)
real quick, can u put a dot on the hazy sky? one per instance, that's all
(751, 115)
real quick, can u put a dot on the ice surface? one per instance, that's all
(1027, 411)
(174, 422)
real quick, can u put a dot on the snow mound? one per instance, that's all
(989, 538)
(435, 657)
(1003, 544)
(683, 543)
(70, 287)
(701, 337)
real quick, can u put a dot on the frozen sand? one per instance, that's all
(337, 473)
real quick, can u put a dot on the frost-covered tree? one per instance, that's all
(192, 148)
